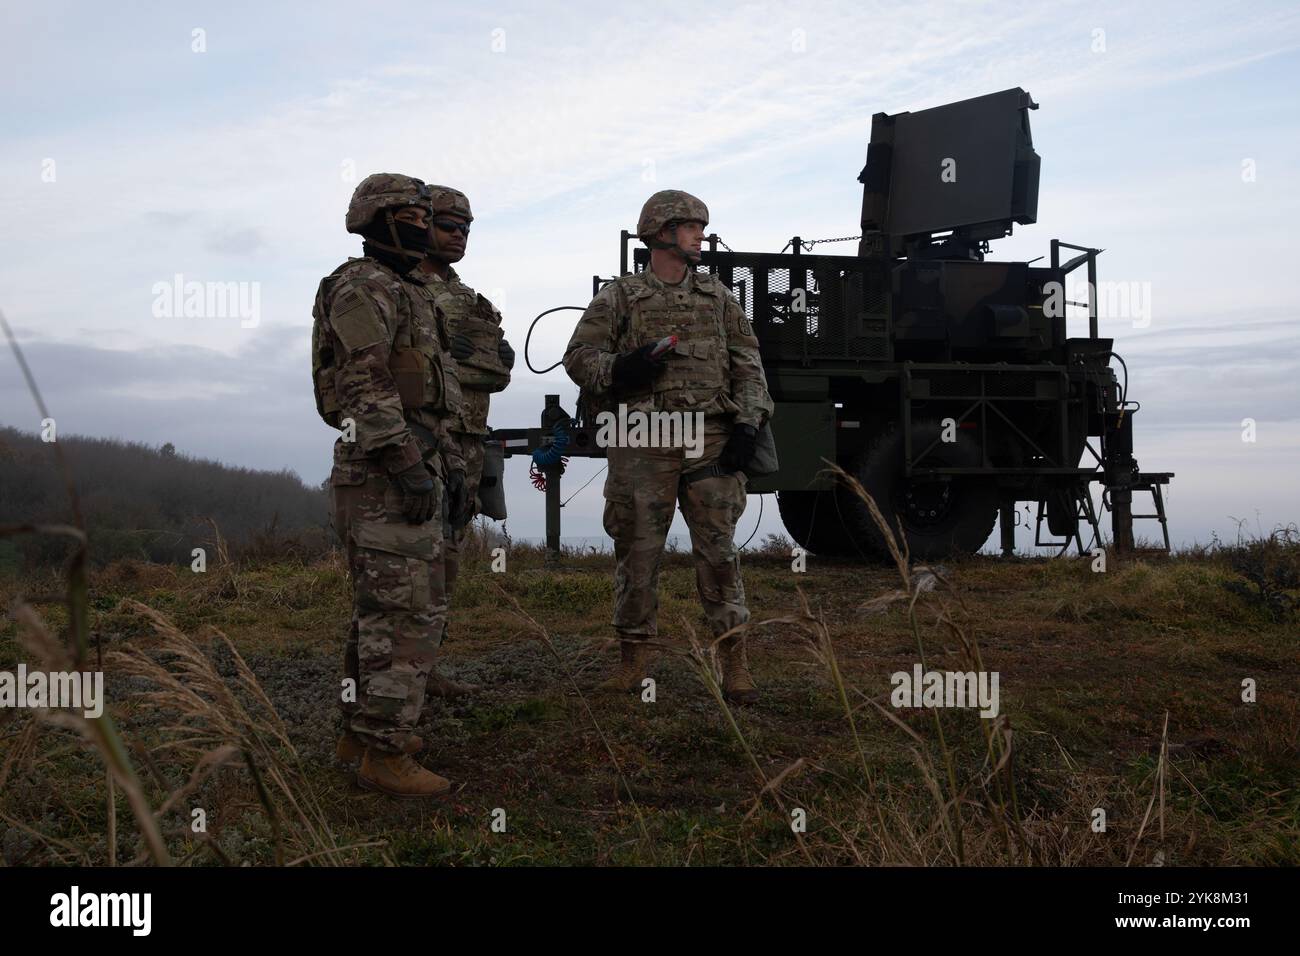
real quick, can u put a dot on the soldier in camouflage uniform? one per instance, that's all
(485, 359)
(383, 376)
(714, 369)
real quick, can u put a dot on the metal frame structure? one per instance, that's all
(985, 393)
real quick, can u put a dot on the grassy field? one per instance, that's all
(1119, 690)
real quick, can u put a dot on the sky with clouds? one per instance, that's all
(220, 143)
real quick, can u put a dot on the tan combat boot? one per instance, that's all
(351, 748)
(440, 686)
(737, 684)
(631, 669)
(399, 776)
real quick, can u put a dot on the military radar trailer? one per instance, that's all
(948, 384)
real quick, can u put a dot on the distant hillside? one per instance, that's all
(149, 503)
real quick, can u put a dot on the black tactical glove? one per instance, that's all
(418, 499)
(740, 448)
(636, 369)
(506, 354)
(457, 499)
(462, 347)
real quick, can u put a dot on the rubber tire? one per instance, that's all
(827, 537)
(969, 520)
(1062, 513)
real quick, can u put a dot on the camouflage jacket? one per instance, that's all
(715, 367)
(483, 372)
(380, 358)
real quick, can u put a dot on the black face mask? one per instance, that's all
(413, 237)
(399, 264)
(379, 244)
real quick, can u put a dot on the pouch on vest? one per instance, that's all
(410, 370)
(765, 461)
(322, 365)
(491, 486)
(483, 370)
(327, 405)
(424, 380)
(444, 385)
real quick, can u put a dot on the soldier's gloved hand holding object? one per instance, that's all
(635, 368)
(457, 498)
(417, 493)
(506, 354)
(740, 447)
(462, 347)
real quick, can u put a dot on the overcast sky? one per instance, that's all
(220, 143)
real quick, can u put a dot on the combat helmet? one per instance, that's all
(448, 201)
(370, 214)
(384, 191)
(668, 207)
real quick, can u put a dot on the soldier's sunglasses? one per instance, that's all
(446, 225)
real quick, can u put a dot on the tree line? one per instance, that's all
(150, 504)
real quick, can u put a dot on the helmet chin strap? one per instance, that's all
(414, 255)
(691, 259)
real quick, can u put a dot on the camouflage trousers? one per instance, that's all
(399, 602)
(471, 449)
(642, 491)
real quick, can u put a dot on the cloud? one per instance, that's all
(239, 164)
(254, 408)
(234, 242)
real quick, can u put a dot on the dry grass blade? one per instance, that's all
(915, 584)
(790, 771)
(1158, 789)
(895, 832)
(219, 543)
(217, 722)
(112, 819)
(706, 664)
(543, 635)
(19, 753)
(881, 604)
(78, 855)
(78, 585)
(100, 731)
(898, 551)
(208, 764)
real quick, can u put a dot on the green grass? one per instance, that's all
(1089, 666)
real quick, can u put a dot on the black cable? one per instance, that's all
(1123, 394)
(528, 337)
(840, 514)
(756, 524)
(586, 483)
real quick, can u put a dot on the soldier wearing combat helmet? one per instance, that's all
(714, 369)
(383, 375)
(485, 359)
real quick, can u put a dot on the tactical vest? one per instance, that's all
(472, 315)
(426, 376)
(322, 354)
(482, 372)
(697, 373)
